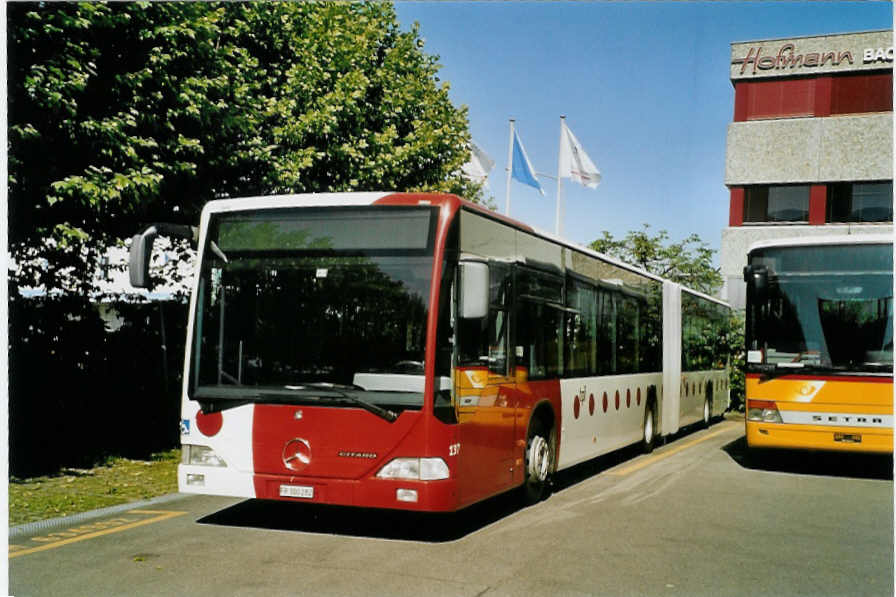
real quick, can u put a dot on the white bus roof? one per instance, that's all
(624, 265)
(294, 200)
(368, 198)
(820, 241)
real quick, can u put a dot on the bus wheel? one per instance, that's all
(539, 458)
(707, 406)
(649, 437)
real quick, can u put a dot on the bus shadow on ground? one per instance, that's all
(365, 522)
(398, 524)
(595, 466)
(805, 462)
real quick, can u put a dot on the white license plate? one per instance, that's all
(297, 491)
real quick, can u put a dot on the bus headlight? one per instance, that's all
(200, 455)
(763, 411)
(417, 469)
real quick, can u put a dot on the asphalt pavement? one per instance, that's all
(699, 516)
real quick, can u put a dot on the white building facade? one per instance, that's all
(810, 150)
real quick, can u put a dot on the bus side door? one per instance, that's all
(486, 396)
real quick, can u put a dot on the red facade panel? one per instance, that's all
(814, 96)
(823, 96)
(817, 204)
(860, 94)
(736, 215)
(741, 93)
(779, 98)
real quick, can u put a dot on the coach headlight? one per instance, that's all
(416, 469)
(763, 411)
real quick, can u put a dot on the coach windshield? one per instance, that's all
(324, 306)
(827, 307)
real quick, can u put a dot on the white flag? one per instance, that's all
(479, 166)
(574, 162)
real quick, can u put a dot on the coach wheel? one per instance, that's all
(649, 438)
(539, 458)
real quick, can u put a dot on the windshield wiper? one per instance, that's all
(770, 371)
(218, 252)
(333, 390)
(217, 398)
(875, 366)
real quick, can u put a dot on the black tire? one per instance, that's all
(707, 407)
(648, 436)
(539, 463)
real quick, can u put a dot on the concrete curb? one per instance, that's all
(54, 523)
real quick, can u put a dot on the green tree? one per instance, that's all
(126, 113)
(687, 262)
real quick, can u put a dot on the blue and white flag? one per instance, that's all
(522, 169)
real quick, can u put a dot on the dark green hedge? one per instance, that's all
(79, 392)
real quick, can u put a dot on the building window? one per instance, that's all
(860, 202)
(813, 96)
(776, 203)
(858, 94)
(787, 98)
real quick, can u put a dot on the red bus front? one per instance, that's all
(316, 371)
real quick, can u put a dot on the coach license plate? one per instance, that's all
(297, 491)
(848, 438)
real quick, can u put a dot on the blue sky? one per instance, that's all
(643, 86)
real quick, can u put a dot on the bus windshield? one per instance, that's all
(314, 305)
(828, 307)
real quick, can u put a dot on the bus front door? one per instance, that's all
(486, 412)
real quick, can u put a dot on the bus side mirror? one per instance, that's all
(138, 261)
(141, 249)
(473, 290)
(756, 277)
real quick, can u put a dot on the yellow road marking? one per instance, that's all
(657, 457)
(18, 550)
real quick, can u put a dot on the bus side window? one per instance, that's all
(500, 291)
(606, 333)
(652, 332)
(483, 342)
(497, 341)
(539, 335)
(581, 329)
(539, 324)
(472, 346)
(628, 331)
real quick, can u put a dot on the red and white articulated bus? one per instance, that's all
(417, 351)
